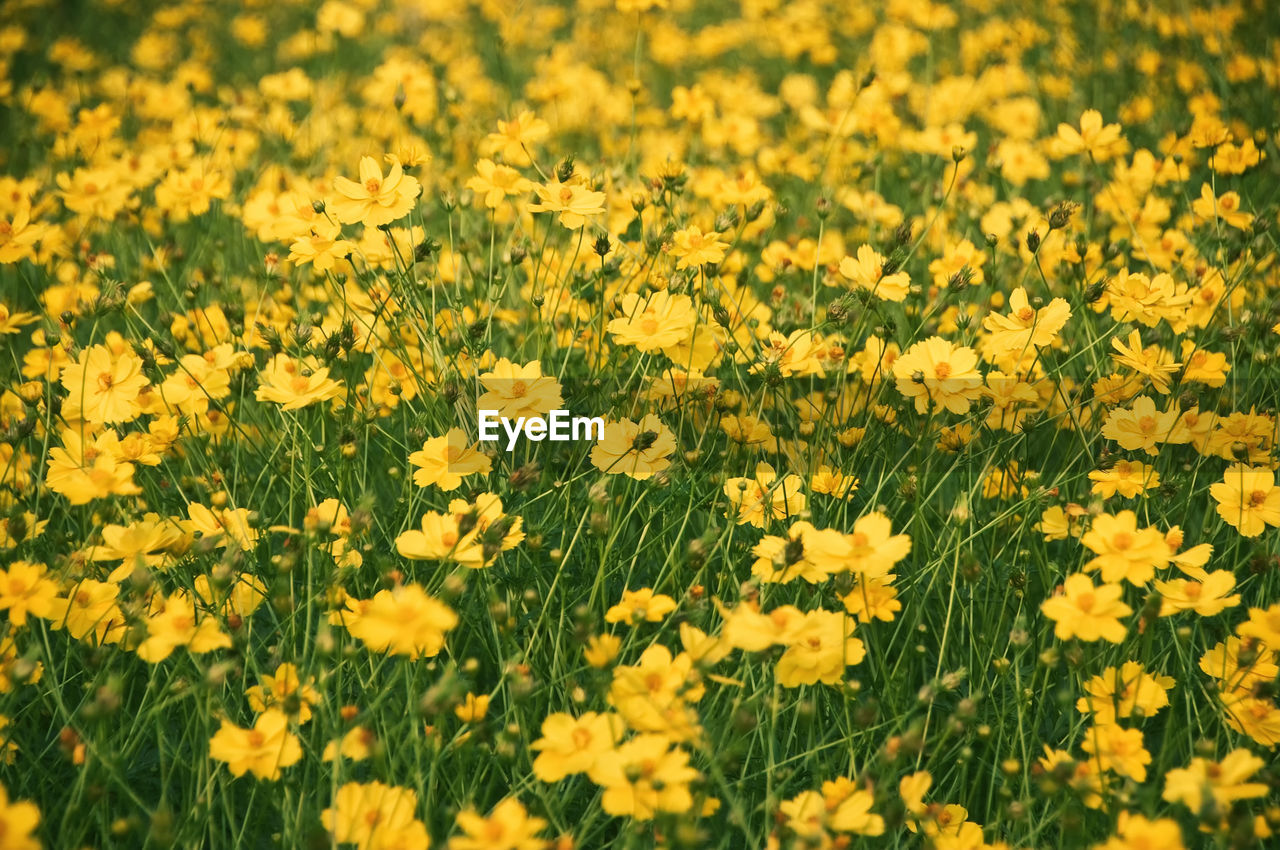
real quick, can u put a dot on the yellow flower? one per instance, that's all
(441, 539)
(871, 550)
(18, 820)
(601, 650)
(25, 590)
(574, 201)
(692, 247)
(187, 192)
(86, 469)
(637, 450)
(1249, 715)
(285, 690)
(261, 750)
(356, 745)
(173, 622)
(1225, 207)
(781, 560)
(1141, 426)
(514, 138)
(1263, 624)
(374, 816)
(18, 237)
(90, 609)
(806, 816)
(833, 482)
(1224, 782)
(1058, 523)
(573, 745)
(1127, 478)
(1134, 832)
(1123, 552)
(1206, 596)
(746, 627)
(508, 827)
(873, 599)
(473, 708)
(374, 200)
(1118, 750)
(659, 322)
(103, 385)
(1152, 362)
(295, 383)
(867, 272)
(222, 526)
(1248, 499)
(493, 183)
(819, 649)
(1098, 142)
(765, 497)
(937, 373)
(515, 391)
(645, 776)
(1025, 327)
(323, 246)
(849, 808)
(403, 621)
(640, 606)
(1135, 297)
(654, 695)
(1127, 692)
(445, 461)
(1087, 612)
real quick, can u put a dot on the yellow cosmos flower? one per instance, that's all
(263, 750)
(374, 200)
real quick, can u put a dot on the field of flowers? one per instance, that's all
(936, 344)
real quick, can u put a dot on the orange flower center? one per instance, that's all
(1122, 541)
(105, 381)
(373, 186)
(1026, 314)
(256, 738)
(1256, 498)
(519, 389)
(1085, 602)
(581, 738)
(942, 370)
